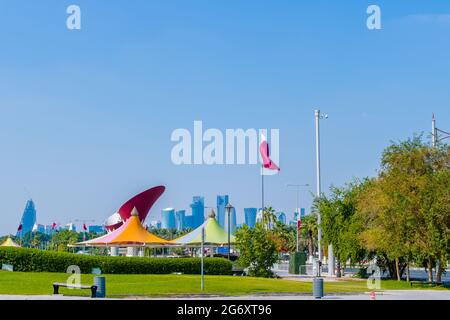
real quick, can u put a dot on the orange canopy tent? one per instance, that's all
(131, 233)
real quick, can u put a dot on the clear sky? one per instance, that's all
(86, 115)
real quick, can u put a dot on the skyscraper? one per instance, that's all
(250, 216)
(168, 218)
(281, 216)
(28, 218)
(198, 211)
(222, 202)
(180, 217)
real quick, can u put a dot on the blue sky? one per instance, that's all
(86, 116)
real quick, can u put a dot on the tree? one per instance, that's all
(406, 208)
(258, 250)
(340, 224)
(62, 239)
(269, 216)
(308, 232)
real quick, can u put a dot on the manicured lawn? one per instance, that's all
(30, 283)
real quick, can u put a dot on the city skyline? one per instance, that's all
(87, 115)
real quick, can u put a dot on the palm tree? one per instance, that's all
(269, 217)
(309, 231)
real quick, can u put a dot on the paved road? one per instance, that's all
(387, 295)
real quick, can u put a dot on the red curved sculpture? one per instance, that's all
(143, 202)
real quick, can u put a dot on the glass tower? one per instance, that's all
(28, 218)
(250, 216)
(198, 211)
(222, 202)
(180, 217)
(281, 216)
(168, 219)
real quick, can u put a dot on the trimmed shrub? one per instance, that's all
(28, 260)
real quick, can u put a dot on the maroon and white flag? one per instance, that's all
(265, 155)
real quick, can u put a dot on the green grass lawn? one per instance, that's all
(30, 283)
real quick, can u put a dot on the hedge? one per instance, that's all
(34, 260)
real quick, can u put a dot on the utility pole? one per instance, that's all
(331, 263)
(319, 220)
(433, 132)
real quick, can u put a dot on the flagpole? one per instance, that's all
(262, 191)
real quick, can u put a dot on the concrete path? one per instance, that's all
(386, 295)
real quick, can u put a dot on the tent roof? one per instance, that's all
(214, 234)
(131, 232)
(9, 243)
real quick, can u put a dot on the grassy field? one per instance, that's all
(28, 283)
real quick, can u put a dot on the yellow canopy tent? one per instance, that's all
(9, 243)
(131, 233)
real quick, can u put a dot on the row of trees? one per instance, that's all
(399, 217)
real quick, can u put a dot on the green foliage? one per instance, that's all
(24, 259)
(258, 249)
(340, 224)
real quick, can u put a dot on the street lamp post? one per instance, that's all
(319, 116)
(297, 209)
(228, 209)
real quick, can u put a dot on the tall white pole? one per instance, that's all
(319, 220)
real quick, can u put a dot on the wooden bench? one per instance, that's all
(56, 286)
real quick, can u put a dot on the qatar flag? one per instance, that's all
(19, 228)
(53, 226)
(84, 227)
(265, 155)
(299, 224)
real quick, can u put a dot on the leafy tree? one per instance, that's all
(340, 224)
(258, 249)
(406, 208)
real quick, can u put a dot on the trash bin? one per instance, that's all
(318, 288)
(100, 282)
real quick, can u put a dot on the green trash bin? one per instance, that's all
(296, 260)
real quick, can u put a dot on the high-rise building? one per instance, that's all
(155, 224)
(302, 213)
(281, 216)
(180, 216)
(96, 229)
(198, 211)
(168, 218)
(232, 221)
(71, 227)
(250, 216)
(28, 218)
(188, 221)
(222, 202)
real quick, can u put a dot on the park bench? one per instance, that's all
(56, 286)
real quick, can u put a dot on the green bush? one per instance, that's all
(24, 259)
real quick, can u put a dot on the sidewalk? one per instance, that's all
(386, 295)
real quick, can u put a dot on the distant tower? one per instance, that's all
(198, 211)
(168, 218)
(281, 217)
(28, 218)
(180, 219)
(250, 216)
(222, 202)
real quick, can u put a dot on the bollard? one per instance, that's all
(318, 288)
(100, 282)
